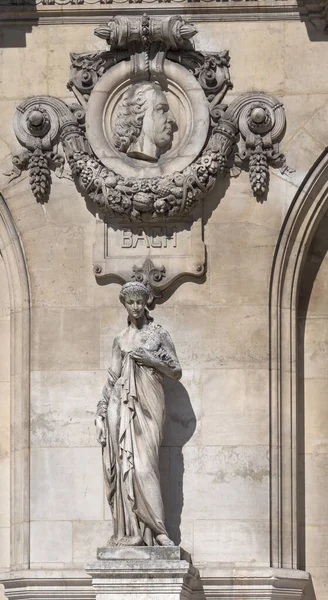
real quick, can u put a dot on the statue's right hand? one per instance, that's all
(100, 430)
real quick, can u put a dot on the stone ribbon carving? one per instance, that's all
(149, 134)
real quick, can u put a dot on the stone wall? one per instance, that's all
(313, 411)
(215, 454)
(4, 419)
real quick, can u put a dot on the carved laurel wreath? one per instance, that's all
(254, 121)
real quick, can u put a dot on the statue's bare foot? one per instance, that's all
(122, 541)
(164, 540)
(112, 541)
(131, 541)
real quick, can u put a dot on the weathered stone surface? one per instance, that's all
(61, 410)
(5, 547)
(5, 492)
(316, 362)
(301, 71)
(228, 473)
(52, 539)
(231, 541)
(143, 553)
(214, 465)
(14, 60)
(243, 276)
(5, 350)
(301, 109)
(50, 497)
(141, 572)
(65, 339)
(233, 407)
(302, 148)
(316, 417)
(158, 254)
(59, 39)
(228, 342)
(267, 68)
(87, 536)
(56, 584)
(4, 419)
(252, 582)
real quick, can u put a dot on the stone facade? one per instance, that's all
(243, 460)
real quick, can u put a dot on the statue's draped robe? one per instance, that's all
(134, 423)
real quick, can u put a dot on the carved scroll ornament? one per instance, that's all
(149, 133)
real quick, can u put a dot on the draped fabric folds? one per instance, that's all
(134, 422)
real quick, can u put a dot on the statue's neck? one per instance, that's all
(138, 323)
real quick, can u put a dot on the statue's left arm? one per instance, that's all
(169, 363)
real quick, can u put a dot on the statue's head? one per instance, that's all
(144, 125)
(134, 296)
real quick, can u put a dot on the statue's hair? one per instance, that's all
(133, 288)
(130, 115)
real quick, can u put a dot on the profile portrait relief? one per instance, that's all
(144, 125)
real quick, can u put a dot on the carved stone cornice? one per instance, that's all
(97, 11)
(90, 3)
(316, 11)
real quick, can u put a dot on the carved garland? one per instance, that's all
(248, 131)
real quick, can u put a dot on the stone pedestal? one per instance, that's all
(143, 573)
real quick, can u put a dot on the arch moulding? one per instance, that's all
(305, 213)
(18, 283)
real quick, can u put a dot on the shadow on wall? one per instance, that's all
(179, 427)
(15, 37)
(309, 591)
(315, 20)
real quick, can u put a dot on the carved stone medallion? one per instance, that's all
(150, 133)
(145, 129)
(147, 139)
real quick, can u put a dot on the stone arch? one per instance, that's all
(305, 213)
(18, 283)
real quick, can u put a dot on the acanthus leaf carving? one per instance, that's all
(151, 276)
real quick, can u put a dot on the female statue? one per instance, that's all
(129, 422)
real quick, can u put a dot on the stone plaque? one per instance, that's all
(148, 252)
